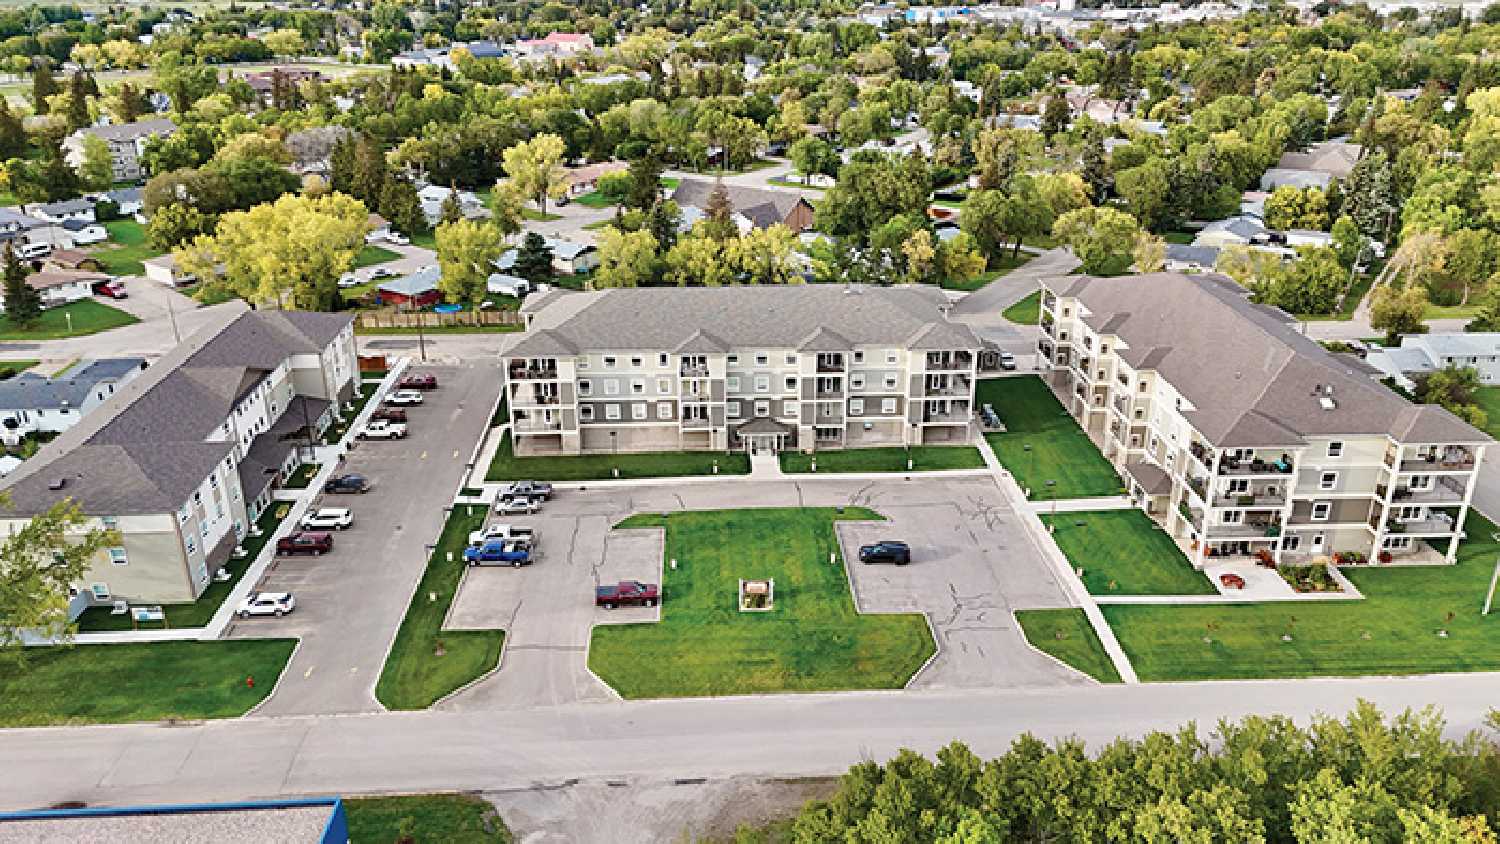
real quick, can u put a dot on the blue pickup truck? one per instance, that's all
(498, 552)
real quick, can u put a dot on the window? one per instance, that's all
(609, 362)
(859, 357)
(732, 383)
(586, 413)
(1328, 480)
(887, 405)
(611, 411)
(101, 591)
(1420, 482)
(890, 381)
(762, 359)
(1233, 517)
(791, 383)
(857, 381)
(638, 411)
(1321, 510)
(1396, 543)
(1335, 449)
(585, 388)
(762, 384)
(1409, 514)
(732, 410)
(791, 360)
(890, 358)
(636, 363)
(733, 359)
(1239, 486)
(117, 556)
(664, 410)
(611, 388)
(788, 408)
(1143, 386)
(664, 386)
(662, 360)
(109, 522)
(637, 387)
(762, 408)
(857, 407)
(192, 546)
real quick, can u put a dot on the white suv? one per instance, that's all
(267, 603)
(328, 518)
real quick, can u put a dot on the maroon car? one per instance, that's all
(393, 414)
(112, 288)
(419, 382)
(305, 542)
(626, 593)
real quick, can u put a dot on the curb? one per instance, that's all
(281, 678)
(1038, 651)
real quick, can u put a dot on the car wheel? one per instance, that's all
(650, 602)
(515, 564)
(609, 606)
(243, 614)
(279, 613)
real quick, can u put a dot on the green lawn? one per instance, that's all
(336, 431)
(592, 467)
(1393, 631)
(75, 319)
(998, 267)
(426, 240)
(925, 458)
(537, 216)
(10, 368)
(788, 183)
(1028, 311)
(130, 248)
(1123, 552)
(1488, 399)
(371, 255)
(812, 640)
(448, 818)
(201, 611)
(1060, 450)
(110, 684)
(1179, 237)
(1345, 313)
(415, 675)
(1041, 241)
(1067, 635)
(302, 476)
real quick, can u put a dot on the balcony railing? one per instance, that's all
(694, 423)
(951, 418)
(955, 385)
(1255, 466)
(1249, 529)
(957, 360)
(830, 365)
(532, 373)
(533, 426)
(1451, 462)
(1249, 501)
(693, 371)
(525, 398)
(1443, 490)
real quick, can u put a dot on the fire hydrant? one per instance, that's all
(249, 682)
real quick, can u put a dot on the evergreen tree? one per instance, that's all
(662, 221)
(1055, 116)
(370, 172)
(43, 85)
(399, 205)
(645, 181)
(452, 213)
(130, 103)
(12, 134)
(78, 101)
(534, 259)
(59, 180)
(718, 214)
(1095, 168)
(1370, 195)
(23, 304)
(341, 165)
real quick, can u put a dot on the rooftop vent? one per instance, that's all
(1327, 403)
(57, 484)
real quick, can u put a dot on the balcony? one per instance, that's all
(1250, 500)
(1437, 524)
(1443, 491)
(533, 398)
(536, 426)
(1198, 486)
(949, 418)
(1248, 530)
(1453, 459)
(830, 364)
(961, 361)
(693, 370)
(1202, 453)
(695, 423)
(948, 385)
(532, 373)
(1256, 466)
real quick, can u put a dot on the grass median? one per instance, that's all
(1042, 442)
(506, 466)
(1067, 635)
(924, 458)
(811, 640)
(427, 662)
(450, 818)
(75, 319)
(156, 681)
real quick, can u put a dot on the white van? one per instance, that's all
(32, 251)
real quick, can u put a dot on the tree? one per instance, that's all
(920, 255)
(959, 259)
(764, 256)
(467, 251)
(13, 139)
(1149, 253)
(401, 207)
(718, 215)
(1398, 310)
(126, 103)
(369, 174)
(1348, 241)
(1248, 267)
(1055, 116)
(697, 261)
(451, 212)
(1311, 285)
(1101, 238)
(285, 43)
(39, 562)
(290, 252)
(534, 259)
(1370, 195)
(626, 259)
(43, 86)
(1297, 208)
(644, 191)
(535, 167)
(170, 226)
(1149, 191)
(97, 171)
(23, 304)
(871, 189)
(78, 101)
(813, 157)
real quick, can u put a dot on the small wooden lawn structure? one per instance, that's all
(757, 595)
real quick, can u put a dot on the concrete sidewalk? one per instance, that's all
(1082, 505)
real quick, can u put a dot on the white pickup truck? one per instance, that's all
(519, 533)
(383, 429)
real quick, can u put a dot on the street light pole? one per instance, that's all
(1489, 597)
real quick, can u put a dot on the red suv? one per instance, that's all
(626, 593)
(111, 288)
(419, 382)
(393, 414)
(305, 542)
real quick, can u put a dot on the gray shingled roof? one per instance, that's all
(747, 201)
(29, 391)
(1252, 379)
(131, 131)
(772, 317)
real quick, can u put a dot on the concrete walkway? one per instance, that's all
(765, 466)
(1082, 505)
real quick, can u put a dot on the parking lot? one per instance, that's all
(971, 566)
(350, 601)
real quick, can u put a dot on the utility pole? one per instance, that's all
(1489, 597)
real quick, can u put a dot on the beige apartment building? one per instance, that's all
(1239, 435)
(753, 368)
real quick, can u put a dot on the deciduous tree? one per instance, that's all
(535, 167)
(626, 259)
(467, 251)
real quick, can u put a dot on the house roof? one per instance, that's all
(1150, 476)
(70, 259)
(79, 225)
(1277, 177)
(424, 280)
(29, 391)
(1336, 158)
(58, 278)
(131, 131)
(774, 317)
(1269, 383)
(1203, 256)
(695, 192)
(66, 206)
(121, 196)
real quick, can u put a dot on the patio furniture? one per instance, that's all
(1231, 580)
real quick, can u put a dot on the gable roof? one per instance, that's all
(1336, 158)
(131, 131)
(29, 391)
(747, 201)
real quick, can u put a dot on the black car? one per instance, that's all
(348, 483)
(885, 552)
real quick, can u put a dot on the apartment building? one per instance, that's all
(182, 458)
(755, 368)
(1240, 435)
(127, 143)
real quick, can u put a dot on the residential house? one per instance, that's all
(1334, 158)
(760, 207)
(502, 284)
(77, 208)
(127, 143)
(1306, 237)
(33, 404)
(129, 200)
(1277, 177)
(85, 232)
(181, 459)
(1420, 354)
(433, 197)
(162, 269)
(585, 179)
(1278, 447)
(1191, 258)
(417, 290)
(263, 82)
(556, 44)
(59, 287)
(379, 228)
(1240, 230)
(739, 367)
(71, 259)
(568, 257)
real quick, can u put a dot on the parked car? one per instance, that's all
(533, 489)
(348, 484)
(329, 518)
(518, 505)
(348, 280)
(383, 429)
(266, 603)
(626, 593)
(404, 398)
(421, 381)
(518, 533)
(393, 414)
(381, 272)
(398, 238)
(113, 289)
(1007, 361)
(305, 542)
(498, 552)
(888, 551)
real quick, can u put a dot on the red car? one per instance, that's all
(626, 593)
(419, 382)
(112, 288)
(394, 414)
(305, 542)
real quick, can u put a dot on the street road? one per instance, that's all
(802, 735)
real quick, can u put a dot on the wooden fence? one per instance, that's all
(428, 319)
